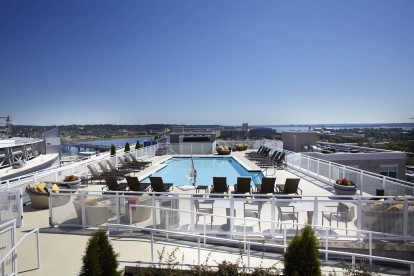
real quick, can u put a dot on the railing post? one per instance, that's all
(353, 263)
(359, 223)
(231, 214)
(248, 255)
(118, 208)
(361, 182)
(326, 244)
(199, 251)
(405, 220)
(317, 168)
(83, 209)
(154, 211)
(14, 254)
(273, 216)
(152, 246)
(330, 172)
(370, 247)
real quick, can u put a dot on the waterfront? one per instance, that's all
(117, 142)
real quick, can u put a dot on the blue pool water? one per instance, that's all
(176, 171)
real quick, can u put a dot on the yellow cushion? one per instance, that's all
(91, 201)
(377, 205)
(395, 208)
(55, 188)
(220, 148)
(41, 187)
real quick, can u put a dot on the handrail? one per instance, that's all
(249, 244)
(12, 250)
(193, 171)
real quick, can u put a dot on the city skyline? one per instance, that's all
(207, 62)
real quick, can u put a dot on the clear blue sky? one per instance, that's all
(207, 62)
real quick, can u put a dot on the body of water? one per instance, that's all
(284, 128)
(116, 142)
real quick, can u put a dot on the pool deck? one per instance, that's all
(62, 249)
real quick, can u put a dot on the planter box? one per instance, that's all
(344, 190)
(72, 184)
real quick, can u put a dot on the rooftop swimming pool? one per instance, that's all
(177, 170)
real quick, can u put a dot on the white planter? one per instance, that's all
(345, 190)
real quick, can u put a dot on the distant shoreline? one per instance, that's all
(376, 125)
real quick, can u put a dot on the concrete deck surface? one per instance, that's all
(62, 248)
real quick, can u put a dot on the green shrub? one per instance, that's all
(302, 255)
(100, 258)
(127, 148)
(113, 149)
(138, 145)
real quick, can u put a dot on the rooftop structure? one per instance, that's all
(65, 228)
(384, 162)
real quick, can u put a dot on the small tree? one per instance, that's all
(113, 149)
(138, 145)
(127, 149)
(100, 258)
(302, 255)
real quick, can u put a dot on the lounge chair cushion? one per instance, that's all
(41, 187)
(91, 202)
(395, 208)
(55, 188)
(377, 205)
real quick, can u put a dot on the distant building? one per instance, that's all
(193, 142)
(245, 127)
(384, 162)
(299, 141)
(262, 132)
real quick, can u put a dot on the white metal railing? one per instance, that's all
(77, 168)
(12, 251)
(178, 210)
(329, 172)
(11, 205)
(201, 241)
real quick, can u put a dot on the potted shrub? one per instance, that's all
(113, 149)
(127, 147)
(100, 257)
(345, 186)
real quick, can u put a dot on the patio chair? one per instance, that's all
(219, 186)
(253, 210)
(284, 215)
(136, 186)
(291, 186)
(264, 154)
(267, 186)
(95, 174)
(131, 165)
(205, 207)
(281, 160)
(344, 213)
(113, 185)
(269, 162)
(113, 168)
(140, 161)
(158, 185)
(243, 186)
(248, 154)
(108, 171)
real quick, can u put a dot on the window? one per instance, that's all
(389, 170)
